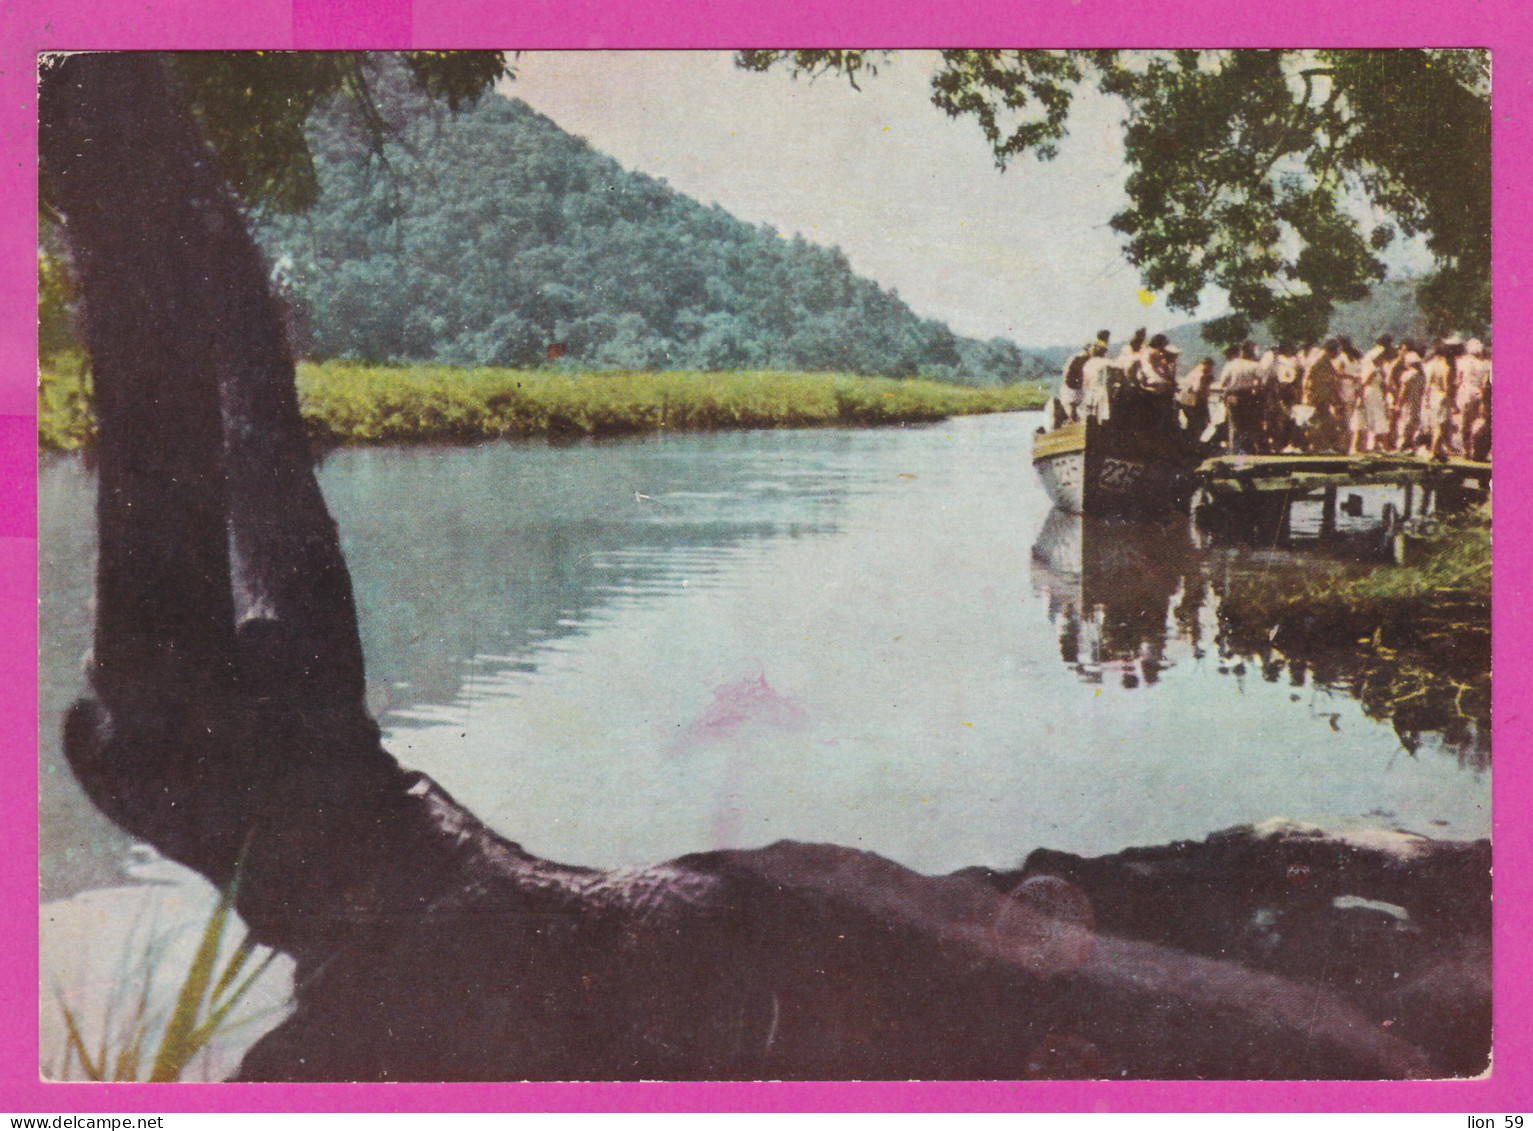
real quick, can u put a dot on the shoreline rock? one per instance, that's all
(1395, 923)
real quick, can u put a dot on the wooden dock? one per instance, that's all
(1253, 495)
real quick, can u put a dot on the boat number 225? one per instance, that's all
(1120, 474)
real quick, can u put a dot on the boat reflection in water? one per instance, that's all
(1129, 599)
(1111, 585)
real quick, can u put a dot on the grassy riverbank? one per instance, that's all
(1453, 562)
(349, 404)
(1411, 642)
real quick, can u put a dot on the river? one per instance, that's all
(619, 652)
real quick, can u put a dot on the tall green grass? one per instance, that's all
(346, 404)
(133, 1034)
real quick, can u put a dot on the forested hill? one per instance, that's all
(488, 237)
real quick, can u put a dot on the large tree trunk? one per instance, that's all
(228, 728)
(227, 661)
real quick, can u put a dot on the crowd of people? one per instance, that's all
(1431, 400)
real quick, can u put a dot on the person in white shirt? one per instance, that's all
(1240, 387)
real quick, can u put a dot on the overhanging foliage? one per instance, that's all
(1249, 170)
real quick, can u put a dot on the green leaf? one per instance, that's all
(176, 1049)
(128, 1058)
(93, 1069)
(204, 1032)
(231, 971)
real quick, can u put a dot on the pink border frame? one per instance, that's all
(1506, 26)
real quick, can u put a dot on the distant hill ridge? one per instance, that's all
(1390, 309)
(494, 237)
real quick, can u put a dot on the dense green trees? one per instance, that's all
(1248, 168)
(252, 106)
(251, 109)
(485, 237)
(489, 236)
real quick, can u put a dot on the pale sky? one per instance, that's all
(911, 196)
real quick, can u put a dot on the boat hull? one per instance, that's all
(1088, 468)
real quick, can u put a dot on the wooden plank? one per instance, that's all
(1067, 438)
(1313, 473)
(1361, 464)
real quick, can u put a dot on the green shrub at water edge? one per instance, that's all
(1412, 643)
(1454, 562)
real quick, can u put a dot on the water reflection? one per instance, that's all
(1109, 584)
(647, 648)
(554, 633)
(77, 846)
(1128, 599)
(1429, 679)
(465, 561)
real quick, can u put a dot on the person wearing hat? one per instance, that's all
(1472, 401)
(1101, 377)
(1372, 429)
(1240, 387)
(1407, 398)
(1442, 372)
(1192, 392)
(1281, 387)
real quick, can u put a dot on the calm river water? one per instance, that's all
(619, 652)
